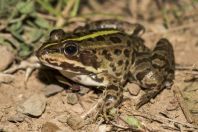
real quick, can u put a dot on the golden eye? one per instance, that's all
(71, 49)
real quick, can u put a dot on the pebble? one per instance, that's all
(7, 57)
(49, 127)
(72, 98)
(52, 89)
(133, 89)
(75, 122)
(33, 106)
(63, 118)
(16, 118)
(6, 78)
(83, 90)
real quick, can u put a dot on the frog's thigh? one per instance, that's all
(163, 58)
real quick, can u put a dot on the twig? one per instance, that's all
(117, 125)
(48, 17)
(98, 124)
(191, 67)
(67, 8)
(183, 105)
(92, 109)
(162, 119)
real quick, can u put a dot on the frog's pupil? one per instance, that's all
(70, 50)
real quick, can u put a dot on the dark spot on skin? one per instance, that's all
(107, 55)
(128, 43)
(115, 39)
(127, 62)
(104, 52)
(126, 52)
(115, 81)
(67, 66)
(89, 59)
(120, 62)
(91, 40)
(140, 60)
(125, 77)
(113, 87)
(118, 74)
(101, 79)
(142, 74)
(133, 57)
(94, 51)
(117, 52)
(114, 69)
(100, 38)
(111, 65)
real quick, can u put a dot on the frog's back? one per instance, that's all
(114, 52)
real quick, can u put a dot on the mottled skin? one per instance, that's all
(101, 54)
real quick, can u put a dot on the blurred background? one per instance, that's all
(24, 23)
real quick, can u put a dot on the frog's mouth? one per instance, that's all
(85, 79)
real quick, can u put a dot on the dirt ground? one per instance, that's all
(174, 109)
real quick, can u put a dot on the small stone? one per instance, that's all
(6, 78)
(49, 127)
(52, 90)
(133, 89)
(83, 90)
(72, 98)
(63, 119)
(104, 128)
(16, 118)
(75, 122)
(33, 106)
(7, 57)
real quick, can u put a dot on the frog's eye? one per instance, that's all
(57, 34)
(71, 49)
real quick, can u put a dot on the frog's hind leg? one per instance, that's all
(163, 59)
(164, 64)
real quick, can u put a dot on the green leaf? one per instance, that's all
(25, 50)
(75, 8)
(25, 7)
(47, 6)
(36, 34)
(16, 26)
(42, 23)
(17, 35)
(132, 121)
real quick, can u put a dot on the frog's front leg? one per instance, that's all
(112, 96)
(111, 99)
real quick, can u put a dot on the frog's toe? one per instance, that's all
(108, 110)
(146, 98)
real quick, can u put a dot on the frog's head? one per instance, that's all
(68, 54)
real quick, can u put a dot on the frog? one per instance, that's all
(108, 54)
